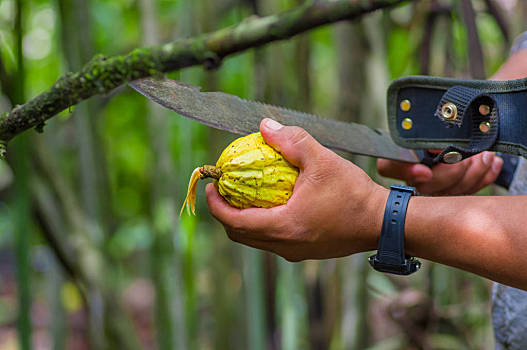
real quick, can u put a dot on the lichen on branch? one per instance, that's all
(103, 74)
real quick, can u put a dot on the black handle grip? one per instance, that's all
(426, 157)
(510, 163)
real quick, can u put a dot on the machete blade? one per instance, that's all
(232, 113)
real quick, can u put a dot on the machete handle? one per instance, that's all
(427, 157)
(510, 163)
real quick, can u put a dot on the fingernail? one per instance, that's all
(273, 124)
(496, 165)
(487, 157)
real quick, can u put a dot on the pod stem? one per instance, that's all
(210, 171)
(198, 173)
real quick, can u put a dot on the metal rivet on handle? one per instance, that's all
(405, 105)
(407, 123)
(452, 157)
(484, 109)
(484, 127)
(449, 111)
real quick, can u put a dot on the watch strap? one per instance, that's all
(390, 256)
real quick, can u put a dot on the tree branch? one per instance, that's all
(495, 10)
(103, 74)
(475, 51)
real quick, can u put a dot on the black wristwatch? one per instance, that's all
(390, 255)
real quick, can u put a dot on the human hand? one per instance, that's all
(465, 177)
(335, 209)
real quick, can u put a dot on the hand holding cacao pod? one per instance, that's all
(335, 209)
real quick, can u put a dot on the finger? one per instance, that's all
(281, 249)
(490, 176)
(288, 250)
(479, 166)
(296, 145)
(241, 238)
(404, 171)
(253, 222)
(444, 176)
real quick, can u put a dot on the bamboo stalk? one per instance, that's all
(76, 45)
(475, 51)
(22, 211)
(353, 52)
(292, 308)
(253, 271)
(55, 281)
(22, 235)
(165, 259)
(187, 231)
(291, 302)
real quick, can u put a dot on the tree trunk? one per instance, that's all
(353, 51)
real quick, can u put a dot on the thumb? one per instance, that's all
(295, 144)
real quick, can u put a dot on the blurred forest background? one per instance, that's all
(92, 252)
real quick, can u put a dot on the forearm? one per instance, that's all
(483, 235)
(514, 68)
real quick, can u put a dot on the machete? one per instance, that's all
(234, 114)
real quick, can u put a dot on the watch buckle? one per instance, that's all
(409, 266)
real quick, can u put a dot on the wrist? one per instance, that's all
(514, 68)
(377, 205)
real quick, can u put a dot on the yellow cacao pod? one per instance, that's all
(249, 173)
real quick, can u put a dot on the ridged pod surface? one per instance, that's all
(254, 174)
(249, 173)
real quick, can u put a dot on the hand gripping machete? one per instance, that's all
(234, 114)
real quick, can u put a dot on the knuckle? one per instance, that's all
(298, 135)
(282, 228)
(321, 170)
(318, 176)
(308, 236)
(302, 235)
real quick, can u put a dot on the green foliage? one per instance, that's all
(131, 237)
(205, 275)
